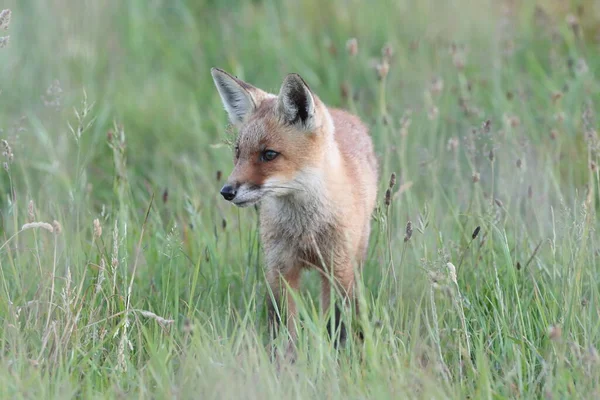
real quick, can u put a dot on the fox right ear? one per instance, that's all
(296, 102)
(239, 98)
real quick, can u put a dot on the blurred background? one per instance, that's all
(145, 64)
(486, 111)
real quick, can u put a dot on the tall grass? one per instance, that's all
(123, 274)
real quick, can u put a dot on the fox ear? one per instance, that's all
(239, 98)
(296, 103)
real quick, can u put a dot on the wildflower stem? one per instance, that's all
(382, 101)
(52, 281)
(436, 336)
(137, 252)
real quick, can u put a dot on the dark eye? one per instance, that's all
(269, 155)
(237, 152)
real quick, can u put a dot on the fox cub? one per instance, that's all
(313, 173)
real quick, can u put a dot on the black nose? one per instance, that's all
(228, 192)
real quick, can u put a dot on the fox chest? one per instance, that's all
(293, 239)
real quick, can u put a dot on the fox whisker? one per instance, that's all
(284, 187)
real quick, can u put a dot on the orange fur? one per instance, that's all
(316, 197)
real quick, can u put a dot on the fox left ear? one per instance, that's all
(296, 103)
(239, 98)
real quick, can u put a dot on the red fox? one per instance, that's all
(313, 173)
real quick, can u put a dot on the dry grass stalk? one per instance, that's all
(100, 275)
(387, 52)
(162, 321)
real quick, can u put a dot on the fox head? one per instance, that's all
(281, 142)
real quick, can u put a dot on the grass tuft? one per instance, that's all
(123, 274)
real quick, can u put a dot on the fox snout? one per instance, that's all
(228, 192)
(242, 194)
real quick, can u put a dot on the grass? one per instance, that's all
(488, 116)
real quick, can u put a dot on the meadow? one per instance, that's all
(124, 274)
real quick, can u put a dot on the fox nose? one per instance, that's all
(228, 192)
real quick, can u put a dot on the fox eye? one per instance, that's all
(268, 155)
(237, 152)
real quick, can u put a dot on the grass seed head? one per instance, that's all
(581, 67)
(388, 197)
(436, 85)
(555, 332)
(31, 211)
(512, 120)
(392, 180)
(409, 231)
(352, 47)
(8, 154)
(34, 225)
(97, 228)
(405, 122)
(161, 321)
(4, 19)
(383, 68)
(453, 144)
(432, 113)
(458, 56)
(452, 272)
(556, 96)
(4, 22)
(57, 227)
(331, 49)
(560, 117)
(571, 20)
(114, 261)
(6, 149)
(475, 232)
(187, 326)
